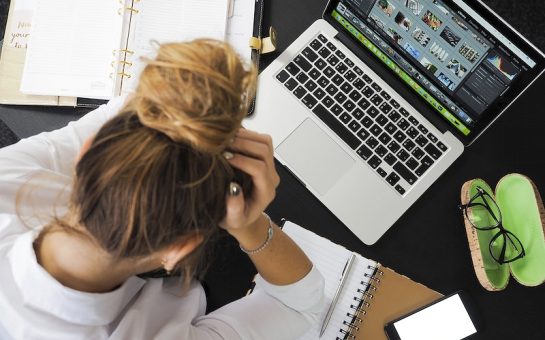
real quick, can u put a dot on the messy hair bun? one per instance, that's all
(197, 93)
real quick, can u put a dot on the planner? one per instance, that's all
(97, 48)
(372, 295)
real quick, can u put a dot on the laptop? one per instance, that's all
(375, 100)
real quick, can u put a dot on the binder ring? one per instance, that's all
(122, 74)
(348, 334)
(358, 309)
(351, 326)
(123, 50)
(372, 277)
(128, 63)
(354, 317)
(134, 10)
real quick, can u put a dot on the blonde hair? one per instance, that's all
(154, 173)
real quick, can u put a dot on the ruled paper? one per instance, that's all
(330, 259)
(240, 27)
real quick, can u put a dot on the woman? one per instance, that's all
(151, 177)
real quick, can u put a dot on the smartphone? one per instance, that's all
(453, 317)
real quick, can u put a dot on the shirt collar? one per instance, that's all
(39, 290)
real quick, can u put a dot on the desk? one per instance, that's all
(428, 243)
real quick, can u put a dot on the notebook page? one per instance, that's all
(240, 27)
(70, 49)
(330, 259)
(172, 21)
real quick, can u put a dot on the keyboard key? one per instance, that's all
(427, 160)
(323, 81)
(324, 52)
(403, 124)
(357, 113)
(374, 161)
(328, 101)
(292, 68)
(302, 78)
(368, 92)
(350, 76)
(422, 141)
(385, 95)
(332, 60)
(314, 74)
(408, 145)
(442, 146)
(363, 134)
(346, 87)
(412, 132)
(329, 72)
(376, 87)
(359, 84)
(390, 159)
(299, 92)
(418, 153)
(358, 71)
(413, 121)
(381, 151)
(390, 128)
(400, 189)
(337, 80)
(421, 169)
(399, 136)
(385, 107)
(372, 142)
(364, 152)
(302, 63)
(404, 112)
(322, 38)
(349, 105)
(331, 89)
(349, 62)
(422, 129)
(367, 121)
(372, 111)
(319, 93)
(432, 137)
(392, 178)
(315, 44)
(336, 109)
(381, 172)
(340, 54)
(340, 97)
(364, 104)
(367, 79)
(320, 64)
(403, 155)
(354, 125)
(405, 173)
(345, 118)
(355, 95)
(394, 116)
(412, 163)
(394, 147)
(394, 104)
(291, 84)
(331, 121)
(310, 54)
(381, 120)
(433, 151)
(384, 138)
(309, 101)
(282, 76)
(376, 99)
(341, 68)
(375, 130)
(331, 46)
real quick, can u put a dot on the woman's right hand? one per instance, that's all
(253, 154)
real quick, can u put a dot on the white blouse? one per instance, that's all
(33, 305)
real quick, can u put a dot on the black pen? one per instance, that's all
(344, 275)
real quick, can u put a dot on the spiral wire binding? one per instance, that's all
(121, 54)
(361, 303)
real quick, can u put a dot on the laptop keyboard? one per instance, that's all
(384, 134)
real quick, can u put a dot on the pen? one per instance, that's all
(346, 270)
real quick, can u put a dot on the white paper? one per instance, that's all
(240, 27)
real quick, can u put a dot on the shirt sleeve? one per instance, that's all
(46, 163)
(270, 312)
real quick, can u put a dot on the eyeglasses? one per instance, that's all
(483, 213)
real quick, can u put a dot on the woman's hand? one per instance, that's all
(252, 153)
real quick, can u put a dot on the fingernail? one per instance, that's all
(234, 189)
(228, 155)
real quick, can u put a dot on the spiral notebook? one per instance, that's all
(372, 295)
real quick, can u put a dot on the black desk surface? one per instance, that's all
(428, 243)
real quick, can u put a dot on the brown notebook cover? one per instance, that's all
(393, 296)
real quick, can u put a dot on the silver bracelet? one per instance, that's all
(267, 241)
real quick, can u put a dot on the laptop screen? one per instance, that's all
(455, 60)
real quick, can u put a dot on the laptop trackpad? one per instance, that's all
(314, 156)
